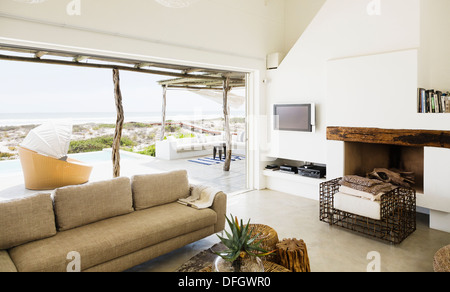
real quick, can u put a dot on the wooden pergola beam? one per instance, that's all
(204, 80)
(80, 58)
(142, 65)
(106, 66)
(40, 54)
(192, 70)
(194, 87)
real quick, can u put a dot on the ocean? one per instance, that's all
(18, 119)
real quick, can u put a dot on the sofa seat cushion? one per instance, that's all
(108, 239)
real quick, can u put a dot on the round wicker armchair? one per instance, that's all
(42, 172)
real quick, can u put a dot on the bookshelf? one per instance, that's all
(433, 101)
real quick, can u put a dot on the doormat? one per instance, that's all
(212, 161)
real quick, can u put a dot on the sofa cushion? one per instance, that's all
(25, 220)
(151, 190)
(6, 264)
(106, 240)
(83, 204)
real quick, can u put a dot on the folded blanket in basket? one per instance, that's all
(371, 186)
(354, 205)
(202, 197)
(360, 194)
(359, 180)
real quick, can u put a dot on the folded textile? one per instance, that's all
(202, 197)
(359, 180)
(354, 205)
(374, 189)
(360, 194)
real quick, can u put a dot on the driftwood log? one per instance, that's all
(293, 255)
(393, 176)
(164, 105)
(226, 113)
(119, 124)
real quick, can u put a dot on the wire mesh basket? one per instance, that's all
(397, 218)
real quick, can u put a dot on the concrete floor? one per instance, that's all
(330, 248)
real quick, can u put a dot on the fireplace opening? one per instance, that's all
(363, 158)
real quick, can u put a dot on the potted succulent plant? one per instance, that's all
(244, 251)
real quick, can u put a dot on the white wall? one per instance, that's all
(298, 16)
(374, 91)
(434, 60)
(341, 29)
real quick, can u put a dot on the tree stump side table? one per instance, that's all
(293, 255)
(269, 240)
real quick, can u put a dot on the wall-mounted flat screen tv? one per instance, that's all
(294, 117)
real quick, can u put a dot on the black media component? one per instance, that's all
(289, 168)
(314, 171)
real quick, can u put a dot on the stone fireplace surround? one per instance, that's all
(353, 150)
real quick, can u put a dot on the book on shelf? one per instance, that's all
(432, 101)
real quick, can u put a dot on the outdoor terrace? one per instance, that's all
(12, 182)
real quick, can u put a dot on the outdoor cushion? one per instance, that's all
(83, 204)
(106, 240)
(151, 190)
(25, 220)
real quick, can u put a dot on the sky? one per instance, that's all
(44, 88)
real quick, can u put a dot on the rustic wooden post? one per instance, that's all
(294, 255)
(119, 124)
(164, 105)
(226, 113)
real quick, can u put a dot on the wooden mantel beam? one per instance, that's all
(419, 138)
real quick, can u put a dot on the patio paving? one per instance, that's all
(12, 186)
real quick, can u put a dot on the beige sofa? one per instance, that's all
(112, 225)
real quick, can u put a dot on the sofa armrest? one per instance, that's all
(220, 207)
(6, 264)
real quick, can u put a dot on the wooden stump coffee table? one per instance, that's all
(294, 255)
(269, 238)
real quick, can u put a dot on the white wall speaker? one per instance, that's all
(273, 60)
